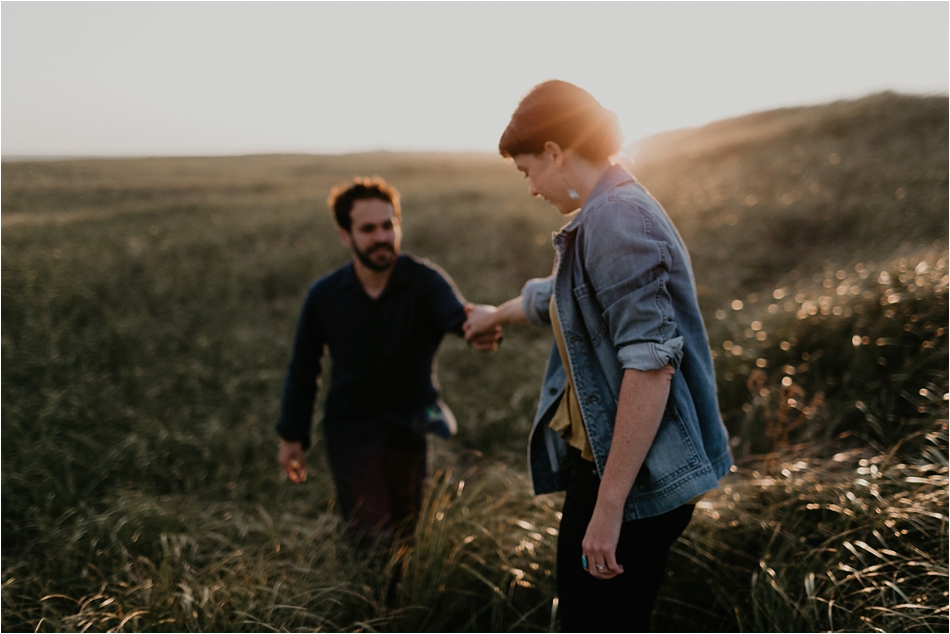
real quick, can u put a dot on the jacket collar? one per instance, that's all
(615, 176)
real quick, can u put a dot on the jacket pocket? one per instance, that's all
(591, 314)
(672, 454)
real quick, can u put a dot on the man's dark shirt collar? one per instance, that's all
(399, 277)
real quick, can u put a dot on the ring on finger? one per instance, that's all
(601, 566)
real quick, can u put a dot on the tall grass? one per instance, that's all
(836, 518)
(820, 545)
(147, 312)
(483, 560)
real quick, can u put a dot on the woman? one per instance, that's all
(628, 422)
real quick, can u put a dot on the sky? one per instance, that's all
(222, 78)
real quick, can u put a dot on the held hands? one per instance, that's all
(480, 329)
(293, 461)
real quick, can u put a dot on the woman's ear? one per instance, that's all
(556, 152)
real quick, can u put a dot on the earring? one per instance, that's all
(571, 192)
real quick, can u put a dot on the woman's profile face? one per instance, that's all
(545, 180)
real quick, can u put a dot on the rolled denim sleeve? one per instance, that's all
(628, 261)
(649, 355)
(536, 298)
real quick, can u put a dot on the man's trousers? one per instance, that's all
(379, 468)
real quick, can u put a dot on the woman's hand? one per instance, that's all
(643, 396)
(484, 322)
(600, 542)
(481, 324)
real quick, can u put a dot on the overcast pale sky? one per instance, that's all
(236, 78)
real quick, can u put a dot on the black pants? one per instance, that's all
(379, 468)
(624, 603)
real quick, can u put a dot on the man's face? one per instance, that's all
(374, 234)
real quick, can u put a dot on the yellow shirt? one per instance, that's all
(567, 420)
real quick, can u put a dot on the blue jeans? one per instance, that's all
(624, 603)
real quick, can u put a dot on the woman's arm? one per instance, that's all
(485, 319)
(529, 307)
(643, 396)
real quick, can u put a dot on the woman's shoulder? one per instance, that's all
(629, 194)
(627, 205)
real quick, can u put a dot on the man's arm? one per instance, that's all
(643, 396)
(452, 311)
(300, 390)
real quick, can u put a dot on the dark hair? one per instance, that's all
(561, 112)
(343, 196)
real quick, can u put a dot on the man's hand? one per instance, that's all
(480, 332)
(292, 459)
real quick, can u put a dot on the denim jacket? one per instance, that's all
(625, 296)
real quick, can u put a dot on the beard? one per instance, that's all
(381, 264)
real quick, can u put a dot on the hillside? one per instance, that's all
(792, 202)
(804, 188)
(148, 307)
(798, 188)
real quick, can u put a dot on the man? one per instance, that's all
(382, 317)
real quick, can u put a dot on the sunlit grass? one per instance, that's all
(483, 552)
(862, 350)
(854, 542)
(840, 380)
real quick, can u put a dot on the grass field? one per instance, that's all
(148, 307)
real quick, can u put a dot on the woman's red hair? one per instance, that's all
(565, 114)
